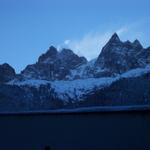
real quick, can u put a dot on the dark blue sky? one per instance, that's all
(29, 27)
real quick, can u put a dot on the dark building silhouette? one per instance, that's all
(47, 147)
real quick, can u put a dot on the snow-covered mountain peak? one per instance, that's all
(54, 65)
(118, 57)
(115, 58)
(120, 75)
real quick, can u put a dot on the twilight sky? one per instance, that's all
(29, 27)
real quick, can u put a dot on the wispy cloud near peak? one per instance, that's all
(122, 30)
(90, 45)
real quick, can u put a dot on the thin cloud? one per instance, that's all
(91, 44)
(122, 30)
(66, 42)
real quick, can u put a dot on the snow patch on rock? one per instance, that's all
(29, 82)
(77, 89)
(136, 72)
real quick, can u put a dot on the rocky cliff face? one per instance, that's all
(54, 65)
(7, 73)
(118, 57)
(62, 79)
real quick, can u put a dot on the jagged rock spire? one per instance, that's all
(114, 38)
(137, 44)
(51, 53)
(54, 65)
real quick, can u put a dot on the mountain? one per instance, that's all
(120, 75)
(118, 56)
(53, 65)
(7, 73)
